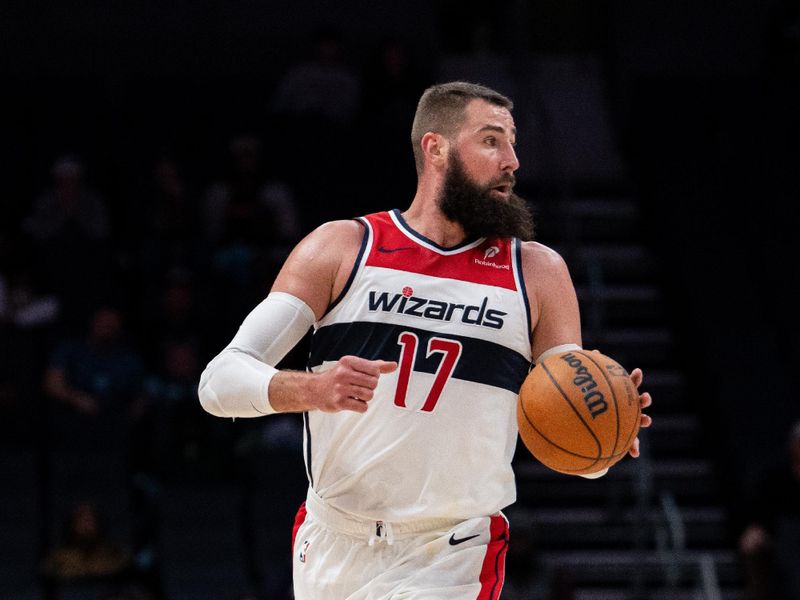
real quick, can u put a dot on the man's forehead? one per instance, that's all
(481, 114)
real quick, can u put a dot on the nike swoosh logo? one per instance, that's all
(456, 542)
(382, 249)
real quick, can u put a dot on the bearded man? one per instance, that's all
(426, 322)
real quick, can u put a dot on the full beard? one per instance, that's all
(479, 212)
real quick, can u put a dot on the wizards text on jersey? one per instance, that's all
(436, 310)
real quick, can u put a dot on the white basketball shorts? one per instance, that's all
(338, 557)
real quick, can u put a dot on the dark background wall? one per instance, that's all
(713, 135)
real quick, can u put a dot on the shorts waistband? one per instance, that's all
(370, 529)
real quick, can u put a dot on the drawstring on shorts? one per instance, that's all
(383, 533)
(371, 530)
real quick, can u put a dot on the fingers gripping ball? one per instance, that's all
(578, 412)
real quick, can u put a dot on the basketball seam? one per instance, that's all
(596, 459)
(634, 428)
(552, 443)
(613, 395)
(575, 410)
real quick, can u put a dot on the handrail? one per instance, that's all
(671, 539)
(674, 552)
(708, 578)
(674, 520)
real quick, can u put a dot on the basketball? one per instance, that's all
(578, 412)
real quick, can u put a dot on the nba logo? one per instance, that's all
(303, 551)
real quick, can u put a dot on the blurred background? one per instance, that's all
(159, 160)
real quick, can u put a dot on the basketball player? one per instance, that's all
(425, 322)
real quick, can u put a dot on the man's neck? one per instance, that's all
(426, 218)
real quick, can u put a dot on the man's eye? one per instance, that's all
(491, 141)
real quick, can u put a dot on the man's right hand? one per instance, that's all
(348, 385)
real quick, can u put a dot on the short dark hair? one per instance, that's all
(441, 110)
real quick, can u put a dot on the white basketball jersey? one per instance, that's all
(439, 435)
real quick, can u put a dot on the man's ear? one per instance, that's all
(435, 148)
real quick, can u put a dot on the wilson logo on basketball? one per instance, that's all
(583, 380)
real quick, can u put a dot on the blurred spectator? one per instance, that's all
(24, 301)
(94, 380)
(315, 108)
(85, 551)
(28, 312)
(172, 442)
(393, 83)
(165, 223)
(171, 309)
(323, 86)
(173, 214)
(70, 229)
(174, 439)
(267, 453)
(68, 208)
(251, 222)
(465, 28)
(770, 543)
(248, 205)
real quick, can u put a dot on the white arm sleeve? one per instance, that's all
(236, 382)
(556, 350)
(597, 475)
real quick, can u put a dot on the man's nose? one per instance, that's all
(509, 162)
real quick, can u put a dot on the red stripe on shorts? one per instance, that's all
(493, 572)
(299, 519)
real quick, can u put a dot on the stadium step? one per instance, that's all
(678, 435)
(668, 387)
(667, 593)
(689, 480)
(20, 524)
(562, 528)
(615, 263)
(619, 305)
(634, 346)
(624, 566)
(201, 541)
